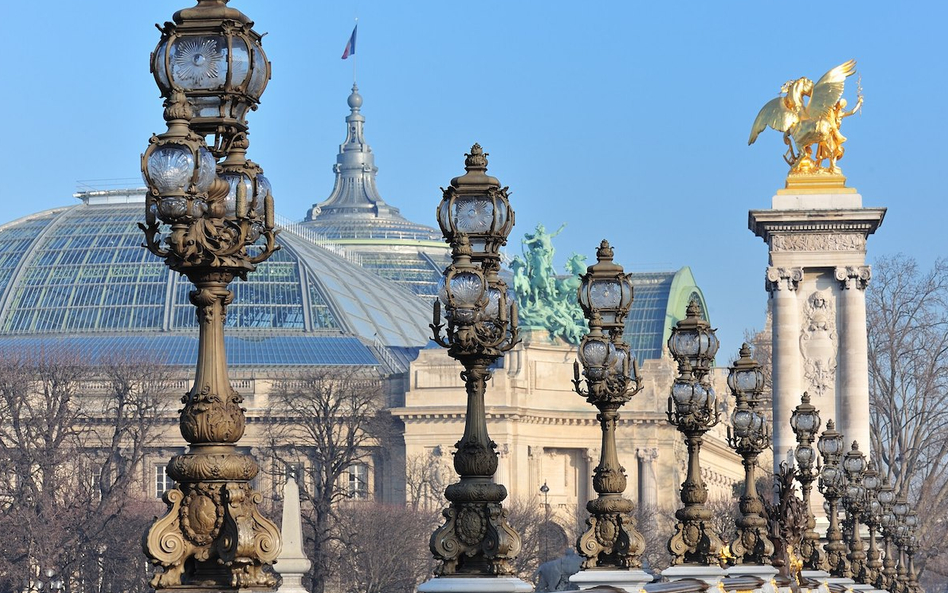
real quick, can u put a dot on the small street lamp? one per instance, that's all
(475, 218)
(611, 379)
(749, 436)
(693, 344)
(854, 501)
(872, 517)
(805, 422)
(212, 222)
(832, 484)
(886, 497)
(545, 534)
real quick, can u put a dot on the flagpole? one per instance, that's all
(354, 58)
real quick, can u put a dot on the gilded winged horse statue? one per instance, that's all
(815, 122)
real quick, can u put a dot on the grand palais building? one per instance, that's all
(351, 287)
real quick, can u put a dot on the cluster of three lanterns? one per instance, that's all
(211, 70)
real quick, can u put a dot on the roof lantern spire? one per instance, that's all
(354, 193)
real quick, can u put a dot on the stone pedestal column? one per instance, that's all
(648, 487)
(782, 284)
(852, 402)
(816, 232)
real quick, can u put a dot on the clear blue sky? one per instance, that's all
(627, 120)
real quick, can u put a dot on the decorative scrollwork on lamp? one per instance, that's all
(475, 218)
(611, 379)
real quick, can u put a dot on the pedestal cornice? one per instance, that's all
(769, 223)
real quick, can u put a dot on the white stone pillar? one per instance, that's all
(782, 284)
(852, 397)
(648, 487)
(292, 563)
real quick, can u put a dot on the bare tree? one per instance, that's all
(384, 547)
(71, 440)
(326, 424)
(907, 311)
(426, 477)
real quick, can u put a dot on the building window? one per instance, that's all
(358, 484)
(163, 481)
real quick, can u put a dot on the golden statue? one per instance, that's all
(815, 122)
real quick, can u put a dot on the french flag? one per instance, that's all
(351, 46)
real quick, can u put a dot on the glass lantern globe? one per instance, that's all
(805, 419)
(900, 508)
(911, 519)
(830, 443)
(742, 420)
(804, 456)
(606, 289)
(886, 494)
(854, 462)
(597, 354)
(683, 394)
(212, 54)
(871, 481)
(178, 173)
(256, 186)
(693, 340)
(745, 377)
(830, 474)
(461, 292)
(475, 205)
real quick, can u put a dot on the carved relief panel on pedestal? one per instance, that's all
(819, 343)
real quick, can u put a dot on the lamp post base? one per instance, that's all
(709, 574)
(453, 584)
(630, 580)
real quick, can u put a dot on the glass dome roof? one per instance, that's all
(79, 275)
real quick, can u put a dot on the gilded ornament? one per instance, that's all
(810, 114)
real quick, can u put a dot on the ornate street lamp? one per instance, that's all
(832, 485)
(481, 326)
(911, 544)
(692, 408)
(749, 434)
(210, 69)
(805, 422)
(903, 540)
(886, 497)
(854, 501)
(611, 379)
(872, 517)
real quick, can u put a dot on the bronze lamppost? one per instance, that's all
(475, 218)
(886, 577)
(211, 222)
(805, 422)
(911, 544)
(832, 484)
(692, 408)
(902, 539)
(854, 501)
(749, 435)
(872, 517)
(611, 379)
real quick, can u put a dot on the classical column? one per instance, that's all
(648, 488)
(852, 399)
(782, 284)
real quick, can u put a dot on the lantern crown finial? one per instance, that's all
(830, 425)
(605, 251)
(476, 159)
